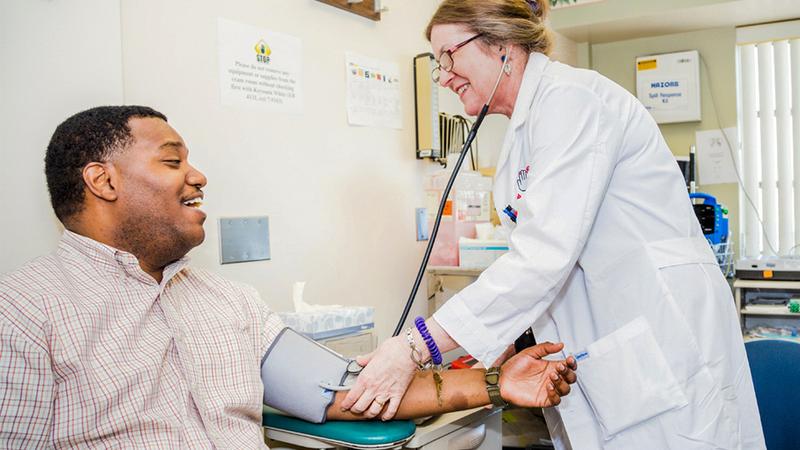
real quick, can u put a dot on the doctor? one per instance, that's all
(605, 255)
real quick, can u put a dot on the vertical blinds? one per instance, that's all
(769, 122)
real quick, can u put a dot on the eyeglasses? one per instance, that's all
(446, 58)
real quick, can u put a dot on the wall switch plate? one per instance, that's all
(243, 239)
(422, 224)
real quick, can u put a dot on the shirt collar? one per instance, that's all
(113, 260)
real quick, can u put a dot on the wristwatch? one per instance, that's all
(492, 378)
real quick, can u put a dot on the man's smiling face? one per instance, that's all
(159, 192)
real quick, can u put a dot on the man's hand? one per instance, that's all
(528, 380)
(387, 373)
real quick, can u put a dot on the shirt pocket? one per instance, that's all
(627, 379)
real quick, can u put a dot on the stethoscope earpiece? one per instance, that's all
(506, 65)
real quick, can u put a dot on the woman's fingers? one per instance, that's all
(391, 408)
(386, 376)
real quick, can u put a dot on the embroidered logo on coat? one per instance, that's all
(522, 178)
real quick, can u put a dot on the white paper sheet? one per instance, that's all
(373, 92)
(259, 68)
(714, 162)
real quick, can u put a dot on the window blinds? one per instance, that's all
(768, 78)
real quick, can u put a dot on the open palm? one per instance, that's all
(527, 380)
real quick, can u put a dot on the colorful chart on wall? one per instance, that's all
(373, 92)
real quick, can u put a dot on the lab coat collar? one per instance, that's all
(522, 106)
(527, 90)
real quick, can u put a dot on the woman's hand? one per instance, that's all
(387, 373)
(529, 381)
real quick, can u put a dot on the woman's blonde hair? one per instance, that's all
(518, 22)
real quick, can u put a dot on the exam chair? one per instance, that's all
(775, 365)
(476, 429)
(337, 434)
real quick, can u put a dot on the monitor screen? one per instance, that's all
(683, 164)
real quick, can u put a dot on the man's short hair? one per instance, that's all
(89, 136)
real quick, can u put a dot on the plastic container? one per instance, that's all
(468, 205)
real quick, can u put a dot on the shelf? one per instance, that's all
(766, 284)
(767, 310)
(364, 8)
(456, 270)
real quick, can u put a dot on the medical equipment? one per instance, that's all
(470, 137)
(426, 108)
(769, 268)
(438, 133)
(309, 390)
(713, 218)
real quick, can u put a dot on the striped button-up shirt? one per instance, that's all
(94, 353)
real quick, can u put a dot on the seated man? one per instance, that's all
(114, 341)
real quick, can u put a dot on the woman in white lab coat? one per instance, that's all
(606, 254)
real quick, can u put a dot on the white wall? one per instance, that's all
(57, 57)
(340, 199)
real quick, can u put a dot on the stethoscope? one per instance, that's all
(505, 68)
(353, 368)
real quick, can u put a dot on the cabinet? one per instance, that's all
(752, 299)
(446, 281)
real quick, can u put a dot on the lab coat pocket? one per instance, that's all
(626, 378)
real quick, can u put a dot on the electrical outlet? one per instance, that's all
(422, 224)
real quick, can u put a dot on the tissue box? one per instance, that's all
(479, 253)
(330, 322)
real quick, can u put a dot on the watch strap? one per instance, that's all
(492, 378)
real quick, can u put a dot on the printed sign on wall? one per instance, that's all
(373, 92)
(668, 86)
(715, 156)
(556, 4)
(259, 68)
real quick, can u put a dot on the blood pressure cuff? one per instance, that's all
(293, 370)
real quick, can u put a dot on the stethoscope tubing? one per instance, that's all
(464, 150)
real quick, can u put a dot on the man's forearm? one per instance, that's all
(461, 389)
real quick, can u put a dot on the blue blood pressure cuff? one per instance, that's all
(300, 376)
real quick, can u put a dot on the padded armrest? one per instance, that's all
(370, 433)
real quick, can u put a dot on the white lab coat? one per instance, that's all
(608, 257)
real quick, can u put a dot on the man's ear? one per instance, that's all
(99, 180)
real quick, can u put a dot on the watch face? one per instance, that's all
(492, 377)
